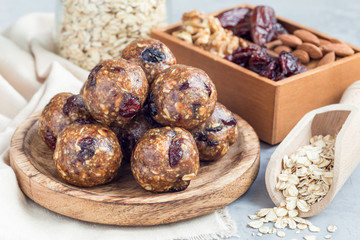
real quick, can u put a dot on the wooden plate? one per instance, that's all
(124, 202)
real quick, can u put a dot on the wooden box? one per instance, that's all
(272, 108)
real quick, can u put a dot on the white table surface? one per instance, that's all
(340, 19)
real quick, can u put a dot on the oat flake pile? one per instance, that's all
(89, 31)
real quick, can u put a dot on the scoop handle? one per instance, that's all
(351, 95)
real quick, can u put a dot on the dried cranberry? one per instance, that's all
(92, 75)
(87, 149)
(50, 139)
(117, 69)
(213, 129)
(153, 55)
(263, 25)
(83, 121)
(200, 137)
(290, 65)
(175, 152)
(152, 105)
(129, 106)
(259, 61)
(184, 86)
(208, 88)
(212, 143)
(241, 56)
(237, 20)
(229, 122)
(73, 104)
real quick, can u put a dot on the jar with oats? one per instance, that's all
(89, 31)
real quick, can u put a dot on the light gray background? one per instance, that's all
(340, 19)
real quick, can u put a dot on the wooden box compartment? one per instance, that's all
(272, 108)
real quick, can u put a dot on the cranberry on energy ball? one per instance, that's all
(215, 136)
(62, 110)
(165, 159)
(115, 91)
(150, 54)
(182, 96)
(87, 155)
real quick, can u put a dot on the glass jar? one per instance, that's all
(89, 31)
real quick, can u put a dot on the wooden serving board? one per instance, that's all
(123, 201)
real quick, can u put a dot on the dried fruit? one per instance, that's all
(263, 25)
(184, 86)
(129, 106)
(152, 55)
(152, 106)
(229, 122)
(92, 74)
(175, 152)
(87, 149)
(237, 20)
(50, 139)
(257, 60)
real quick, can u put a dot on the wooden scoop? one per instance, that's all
(342, 119)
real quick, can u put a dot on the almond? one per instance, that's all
(335, 40)
(281, 48)
(290, 40)
(273, 44)
(328, 58)
(307, 36)
(301, 55)
(324, 41)
(340, 49)
(313, 51)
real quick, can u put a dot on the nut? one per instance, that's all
(328, 58)
(290, 40)
(324, 41)
(281, 48)
(302, 55)
(307, 36)
(340, 49)
(313, 51)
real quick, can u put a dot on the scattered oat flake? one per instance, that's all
(255, 224)
(264, 229)
(314, 228)
(310, 237)
(259, 234)
(331, 228)
(280, 234)
(298, 231)
(327, 236)
(262, 212)
(272, 230)
(253, 217)
(302, 226)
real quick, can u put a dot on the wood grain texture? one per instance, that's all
(340, 119)
(272, 108)
(123, 201)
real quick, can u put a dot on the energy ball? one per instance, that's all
(165, 159)
(87, 155)
(182, 96)
(215, 136)
(62, 110)
(115, 91)
(152, 55)
(134, 130)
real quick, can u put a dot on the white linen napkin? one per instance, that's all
(30, 74)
